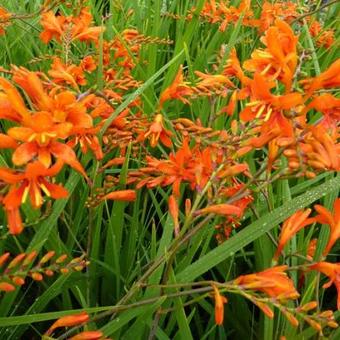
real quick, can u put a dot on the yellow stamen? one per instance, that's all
(88, 140)
(25, 194)
(37, 197)
(44, 189)
(269, 112)
(259, 112)
(32, 137)
(264, 54)
(254, 103)
(266, 69)
(50, 134)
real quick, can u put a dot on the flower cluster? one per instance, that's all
(22, 267)
(267, 119)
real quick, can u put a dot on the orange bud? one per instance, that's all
(332, 324)
(221, 209)
(265, 308)
(37, 276)
(294, 165)
(187, 206)
(47, 257)
(64, 270)
(16, 261)
(69, 321)
(308, 306)
(49, 272)
(173, 209)
(3, 258)
(314, 324)
(312, 248)
(61, 259)
(17, 280)
(219, 306)
(243, 150)
(88, 335)
(328, 314)
(291, 226)
(30, 257)
(292, 319)
(6, 287)
(233, 170)
(114, 161)
(310, 174)
(121, 195)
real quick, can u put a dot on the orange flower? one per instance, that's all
(219, 306)
(59, 26)
(157, 131)
(63, 106)
(69, 321)
(4, 19)
(332, 270)
(279, 59)
(291, 226)
(7, 142)
(286, 10)
(87, 139)
(81, 29)
(172, 171)
(330, 108)
(56, 116)
(274, 282)
(264, 105)
(88, 64)
(321, 151)
(12, 102)
(53, 26)
(212, 83)
(32, 182)
(39, 139)
(221, 13)
(232, 66)
(122, 195)
(327, 79)
(323, 37)
(177, 90)
(69, 74)
(333, 220)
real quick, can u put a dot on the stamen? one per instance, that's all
(44, 189)
(269, 112)
(25, 194)
(259, 112)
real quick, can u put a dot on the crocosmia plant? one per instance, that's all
(169, 169)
